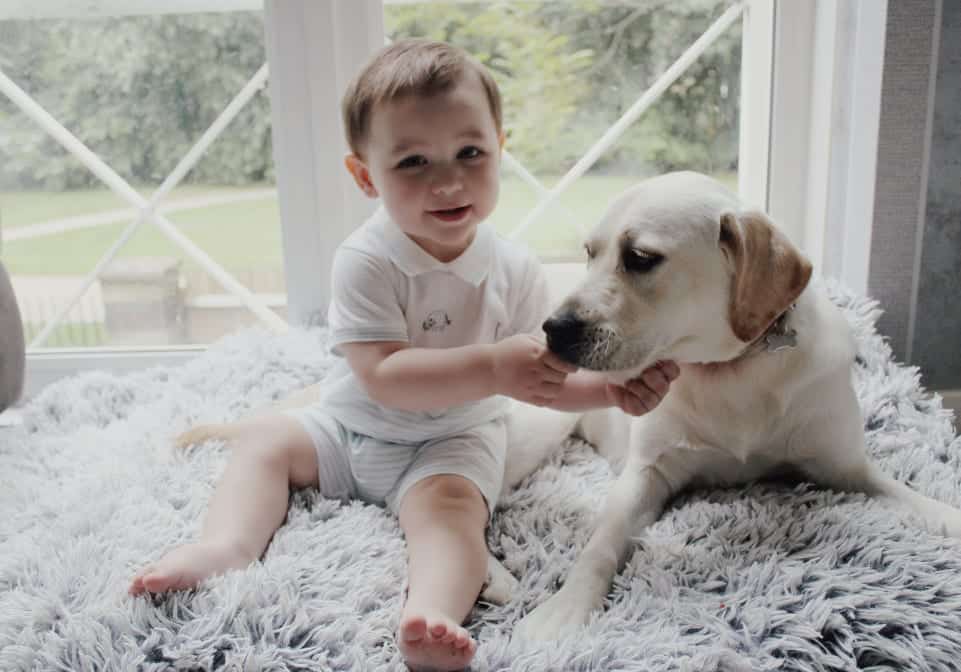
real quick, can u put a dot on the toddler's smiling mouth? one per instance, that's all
(451, 214)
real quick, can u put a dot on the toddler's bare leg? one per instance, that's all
(443, 518)
(250, 503)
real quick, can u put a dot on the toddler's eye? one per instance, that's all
(470, 152)
(415, 161)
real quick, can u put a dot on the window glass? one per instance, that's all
(568, 71)
(139, 99)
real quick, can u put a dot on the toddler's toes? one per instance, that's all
(461, 639)
(136, 584)
(413, 629)
(435, 644)
(159, 581)
(437, 629)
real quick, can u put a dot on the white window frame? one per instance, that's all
(826, 106)
(801, 157)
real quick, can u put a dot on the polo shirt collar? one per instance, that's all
(471, 266)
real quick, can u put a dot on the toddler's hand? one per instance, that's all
(642, 394)
(526, 370)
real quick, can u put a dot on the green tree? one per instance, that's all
(537, 70)
(141, 90)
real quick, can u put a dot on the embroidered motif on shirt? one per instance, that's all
(437, 320)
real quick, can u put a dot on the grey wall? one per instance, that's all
(902, 132)
(936, 345)
(915, 268)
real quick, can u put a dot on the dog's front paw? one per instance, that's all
(948, 522)
(500, 585)
(563, 611)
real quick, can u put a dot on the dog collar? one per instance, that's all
(776, 338)
(779, 336)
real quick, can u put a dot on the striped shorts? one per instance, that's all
(355, 466)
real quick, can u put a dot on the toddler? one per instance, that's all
(436, 321)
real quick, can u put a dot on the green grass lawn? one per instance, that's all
(70, 334)
(21, 208)
(246, 235)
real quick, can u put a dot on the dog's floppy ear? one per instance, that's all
(769, 272)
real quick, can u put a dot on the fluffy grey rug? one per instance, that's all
(769, 576)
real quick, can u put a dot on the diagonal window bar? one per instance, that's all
(647, 99)
(531, 180)
(147, 208)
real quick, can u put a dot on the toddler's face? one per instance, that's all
(434, 163)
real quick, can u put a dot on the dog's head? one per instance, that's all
(676, 270)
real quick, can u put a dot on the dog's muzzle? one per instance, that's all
(565, 336)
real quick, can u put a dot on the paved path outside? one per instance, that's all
(55, 226)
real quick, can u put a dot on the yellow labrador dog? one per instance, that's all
(678, 270)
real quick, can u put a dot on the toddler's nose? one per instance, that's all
(447, 188)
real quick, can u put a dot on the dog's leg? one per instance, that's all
(636, 500)
(938, 517)
(533, 435)
(868, 478)
(500, 585)
(839, 461)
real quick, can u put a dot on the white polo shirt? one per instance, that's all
(386, 288)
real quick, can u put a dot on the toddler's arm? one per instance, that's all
(585, 390)
(421, 379)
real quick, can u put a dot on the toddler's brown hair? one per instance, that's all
(409, 67)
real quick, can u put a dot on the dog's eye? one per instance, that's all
(638, 261)
(590, 252)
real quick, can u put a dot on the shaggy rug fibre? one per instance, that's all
(771, 576)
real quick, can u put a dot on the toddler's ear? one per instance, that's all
(358, 169)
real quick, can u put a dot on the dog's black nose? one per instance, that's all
(564, 332)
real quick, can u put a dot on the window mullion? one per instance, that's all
(754, 132)
(826, 107)
(313, 48)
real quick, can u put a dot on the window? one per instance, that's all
(138, 203)
(598, 94)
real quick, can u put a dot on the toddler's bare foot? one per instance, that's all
(434, 642)
(186, 566)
